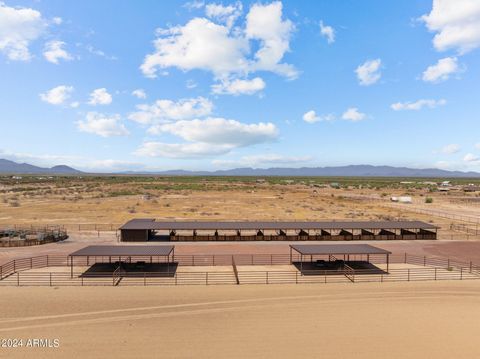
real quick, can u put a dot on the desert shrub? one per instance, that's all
(428, 200)
(14, 204)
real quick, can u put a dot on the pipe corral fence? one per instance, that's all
(54, 270)
(17, 236)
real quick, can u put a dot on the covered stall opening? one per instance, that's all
(108, 259)
(325, 257)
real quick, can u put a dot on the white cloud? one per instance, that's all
(456, 23)
(470, 157)
(328, 32)
(312, 117)
(18, 28)
(200, 44)
(191, 84)
(54, 51)
(352, 114)
(477, 146)
(369, 72)
(57, 20)
(100, 97)
(75, 104)
(264, 23)
(225, 14)
(224, 51)
(139, 93)
(194, 5)
(102, 125)
(239, 87)
(441, 71)
(262, 160)
(162, 111)
(57, 95)
(417, 105)
(212, 136)
(451, 149)
(221, 131)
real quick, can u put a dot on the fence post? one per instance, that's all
(435, 273)
(405, 257)
(50, 279)
(470, 267)
(448, 263)
(408, 276)
(18, 278)
(424, 261)
(461, 273)
(267, 278)
(31, 262)
(296, 277)
(206, 278)
(144, 279)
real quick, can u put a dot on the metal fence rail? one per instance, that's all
(17, 272)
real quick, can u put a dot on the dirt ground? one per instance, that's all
(109, 202)
(377, 320)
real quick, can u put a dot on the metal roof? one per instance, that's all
(163, 250)
(144, 224)
(317, 249)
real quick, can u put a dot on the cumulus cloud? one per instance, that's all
(470, 157)
(352, 114)
(57, 95)
(211, 136)
(224, 51)
(162, 111)
(200, 44)
(221, 131)
(328, 32)
(139, 93)
(456, 24)
(369, 72)
(102, 125)
(239, 87)
(265, 23)
(451, 149)
(54, 52)
(312, 117)
(441, 71)
(225, 14)
(417, 105)
(100, 97)
(18, 28)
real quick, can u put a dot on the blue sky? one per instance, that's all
(128, 85)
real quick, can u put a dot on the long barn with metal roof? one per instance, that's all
(148, 229)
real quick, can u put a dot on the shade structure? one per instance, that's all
(337, 249)
(123, 251)
(160, 250)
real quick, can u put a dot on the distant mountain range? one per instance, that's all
(10, 167)
(339, 171)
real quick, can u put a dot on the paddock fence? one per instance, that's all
(19, 272)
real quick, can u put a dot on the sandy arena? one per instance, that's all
(392, 320)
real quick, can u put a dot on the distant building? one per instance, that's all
(471, 188)
(401, 199)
